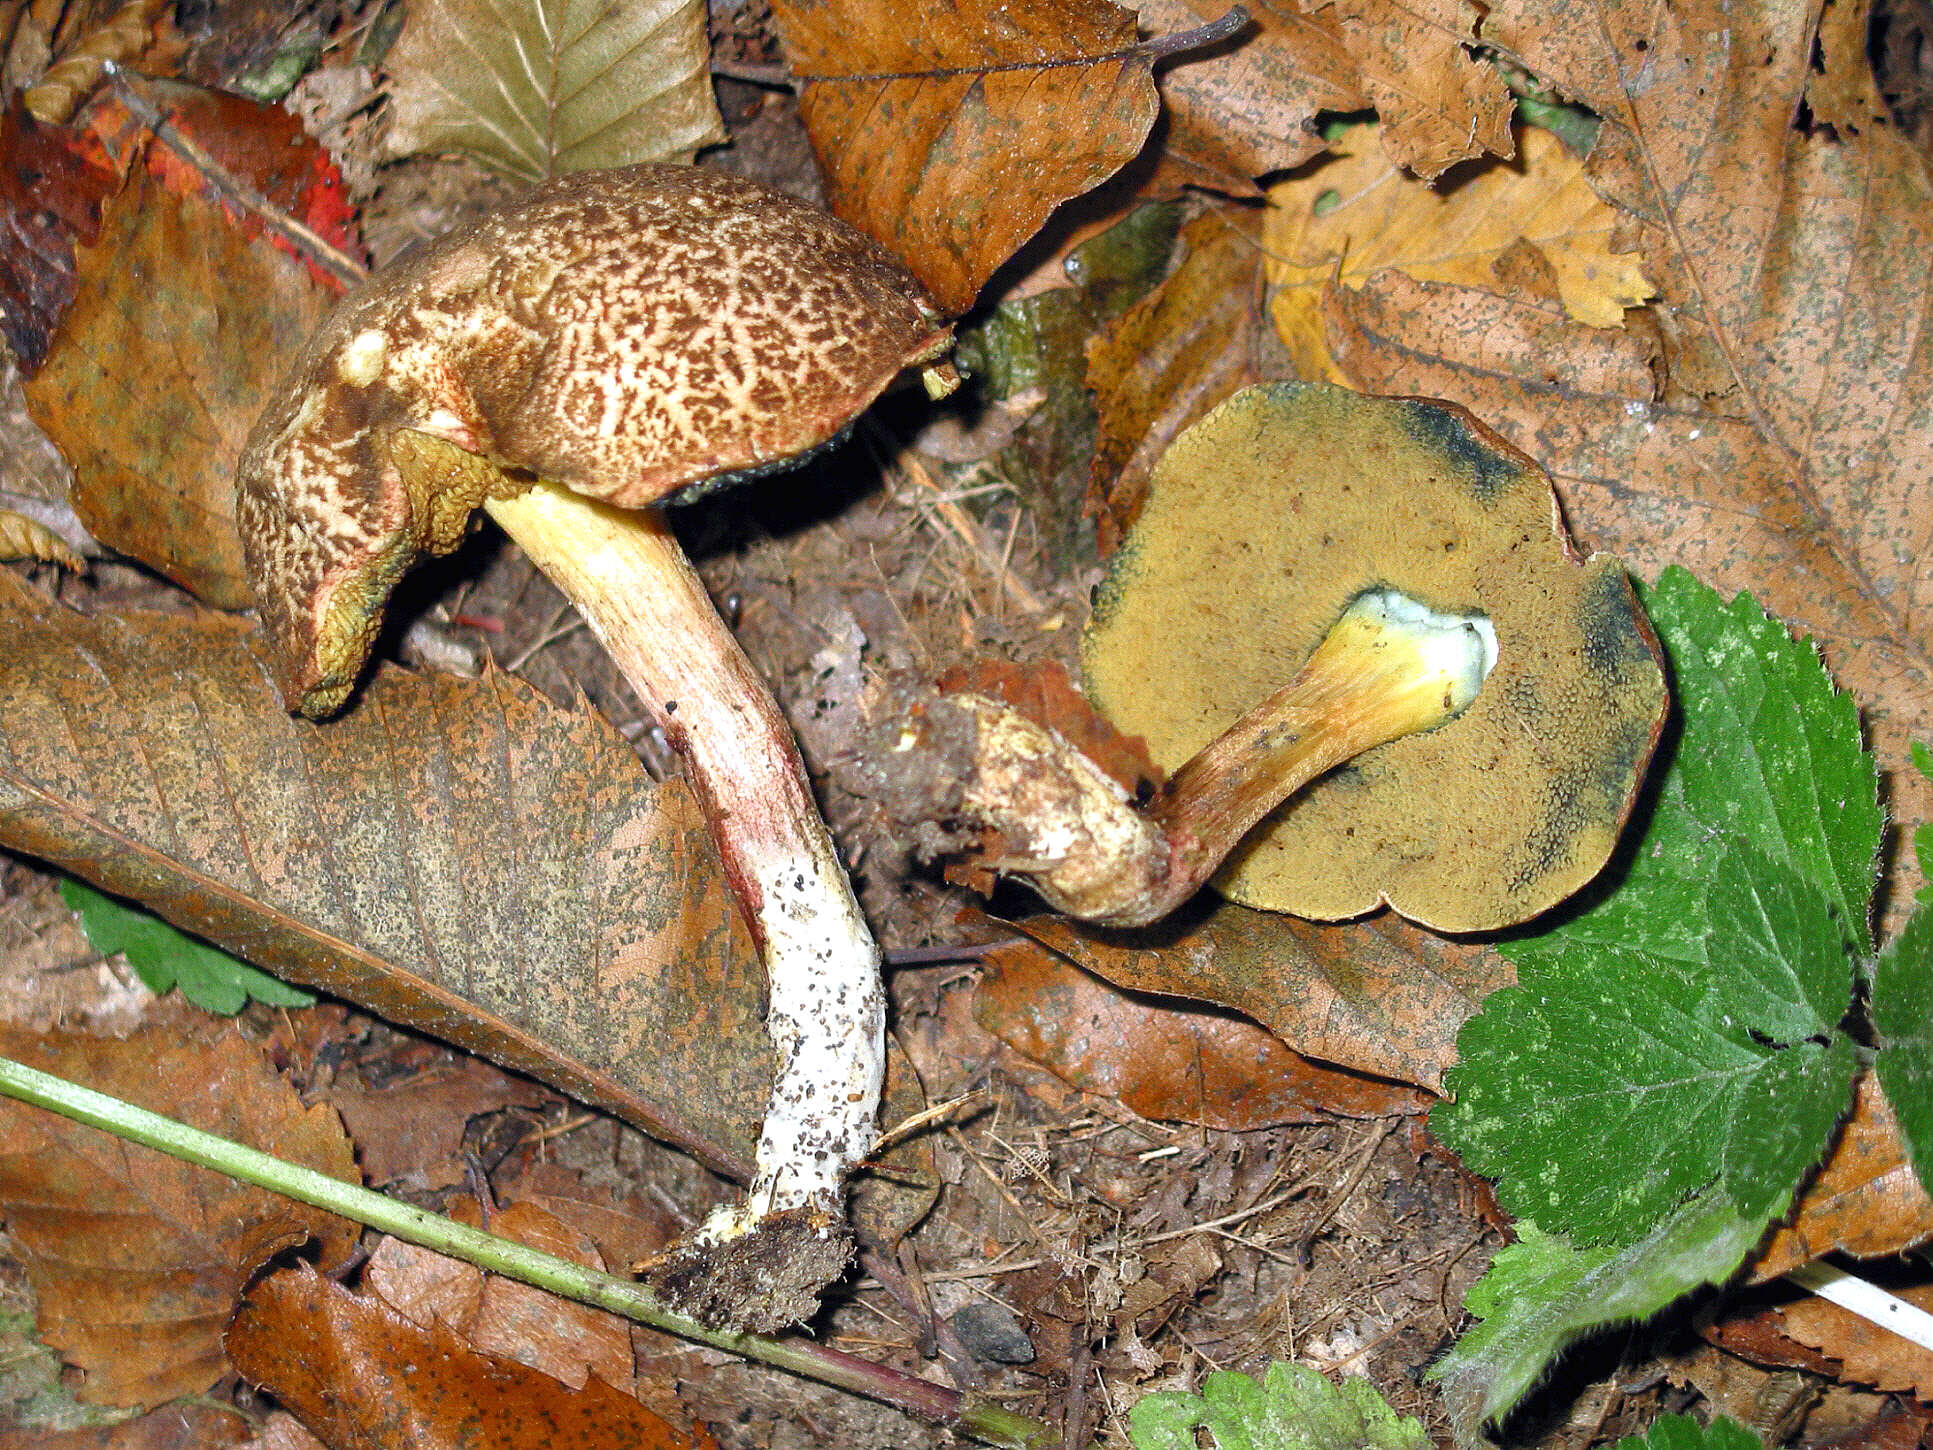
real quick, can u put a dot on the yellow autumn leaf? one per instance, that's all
(25, 538)
(1533, 222)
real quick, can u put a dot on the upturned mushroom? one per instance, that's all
(612, 341)
(1356, 631)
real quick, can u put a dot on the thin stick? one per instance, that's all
(971, 1415)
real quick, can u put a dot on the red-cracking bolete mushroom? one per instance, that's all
(1356, 630)
(613, 340)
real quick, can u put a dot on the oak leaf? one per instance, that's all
(950, 135)
(1530, 226)
(139, 1307)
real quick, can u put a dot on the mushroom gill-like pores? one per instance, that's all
(1236, 612)
(611, 340)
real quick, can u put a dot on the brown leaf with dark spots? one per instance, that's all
(137, 1258)
(1165, 1058)
(53, 184)
(951, 133)
(1247, 107)
(568, 1341)
(1865, 1200)
(1868, 1353)
(362, 1376)
(1172, 357)
(457, 855)
(1045, 693)
(179, 330)
(1377, 996)
(185, 1425)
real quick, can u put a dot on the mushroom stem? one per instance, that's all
(630, 579)
(1390, 666)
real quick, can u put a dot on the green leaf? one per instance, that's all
(165, 958)
(1903, 1017)
(1681, 1432)
(1770, 752)
(1544, 1293)
(1923, 833)
(1613, 1082)
(1293, 1408)
(539, 89)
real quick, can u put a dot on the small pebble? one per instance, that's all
(993, 1333)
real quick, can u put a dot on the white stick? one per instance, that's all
(1867, 1300)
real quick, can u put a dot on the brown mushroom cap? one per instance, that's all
(1264, 521)
(628, 333)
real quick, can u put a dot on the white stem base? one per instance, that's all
(631, 581)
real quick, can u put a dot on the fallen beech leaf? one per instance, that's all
(1377, 996)
(1174, 355)
(569, 1342)
(1865, 1200)
(178, 330)
(458, 855)
(53, 184)
(1045, 693)
(361, 1376)
(951, 134)
(137, 1258)
(1439, 104)
(1352, 217)
(1165, 1059)
(282, 1431)
(534, 91)
(1790, 447)
(1249, 107)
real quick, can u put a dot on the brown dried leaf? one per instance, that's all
(1868, 1354)
(179, 330)
(1174, 355)
(1377, 996)
(458, 855)
(189, 1425)
(136, 1257)
(1439, 104)
(1246, 108)
(1165, 1058)
(1790, 448)
(569, 1342)
(414, 1128)
(1865, 1200)
(950, 135)
(53, 185)
(361, 1376)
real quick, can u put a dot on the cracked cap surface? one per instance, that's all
(629, 333)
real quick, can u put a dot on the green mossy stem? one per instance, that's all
(936, 1404)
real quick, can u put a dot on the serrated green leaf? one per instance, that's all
(164, 957)
(1543, 1293)
(1923, 833)
(1681, 1432)
(1771, 752)
(534, 90)
(1293, 1408)
(1903, 1016)
(1612, 1083)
